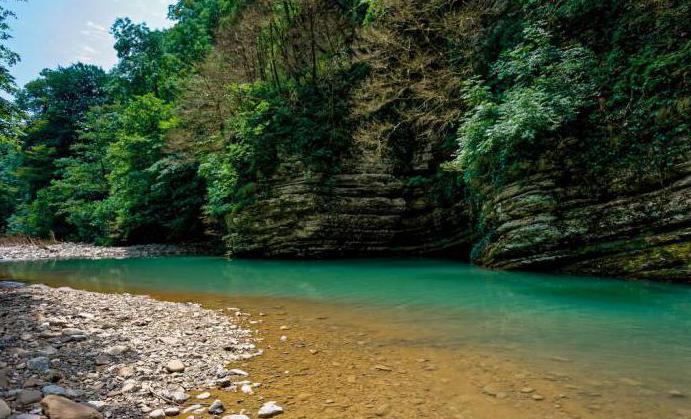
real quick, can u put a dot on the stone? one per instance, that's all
(179, 396)
(157, 414)
(235, 417)
(56, 407)
(29, 396)
(117, 350)
(247, 389)
(53, 390)
(676, 393)
(204, 396)
(5, 410)
(489, 390)
(130, 386)
(269, 410)
(382, 410)
(102, 359)
(538, 397)
(192, 408)
(175, 366)
(73, 332)
(172, 411)
(96, 404)
(126, 372)
(527, 390)
(239, 372)
(33, 382)
(40, 363)
(217, 408)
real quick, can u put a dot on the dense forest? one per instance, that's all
(194, 121)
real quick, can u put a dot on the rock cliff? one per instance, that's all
(364, 210)
(537, 224)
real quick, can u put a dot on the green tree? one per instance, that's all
(154, 196)
(540, 88)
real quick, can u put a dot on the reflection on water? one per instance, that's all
(639, 330)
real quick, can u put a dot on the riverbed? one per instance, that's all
(432, 338)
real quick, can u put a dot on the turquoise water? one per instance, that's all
(633, 330)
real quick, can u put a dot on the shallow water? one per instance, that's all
(635, 331)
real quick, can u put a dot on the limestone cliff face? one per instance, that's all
(536, 224)
(364, 210)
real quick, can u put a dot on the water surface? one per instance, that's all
(632, 330)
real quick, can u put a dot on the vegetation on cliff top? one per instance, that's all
(193, 121)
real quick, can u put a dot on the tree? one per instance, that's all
(10, 114)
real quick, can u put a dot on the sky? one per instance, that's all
(48, 33)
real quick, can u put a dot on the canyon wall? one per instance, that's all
(364, 210)
(537, 224)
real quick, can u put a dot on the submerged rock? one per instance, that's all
(269, 410)
(217, 408)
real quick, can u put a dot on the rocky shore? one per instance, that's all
(26, 252)
(68, 354)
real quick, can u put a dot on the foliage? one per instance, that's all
(10, 114)
(195, 121)
(540, 89)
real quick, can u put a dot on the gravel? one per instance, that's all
(28, 252)
(117, 363)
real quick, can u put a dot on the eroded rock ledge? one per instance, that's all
(538, 224)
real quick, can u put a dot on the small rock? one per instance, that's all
(236, 371)
(117, 350)
(179, 396)
(53, 390)
(96, 404)
(269, 410)
(284, 338)
(157, 414)
(175, 366)
(192, 408)
(382, 410)
(56, 407)
(70, 331)
(676, 393)
(235, 417)
(172, 411)
(204, 396)
(131, 386)
(527, 390)
(5, 410)
(217, 408)
(538, 397)
(126, 372)
(40, 363)
(29, 396)
(383, 368)
(102, 359)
